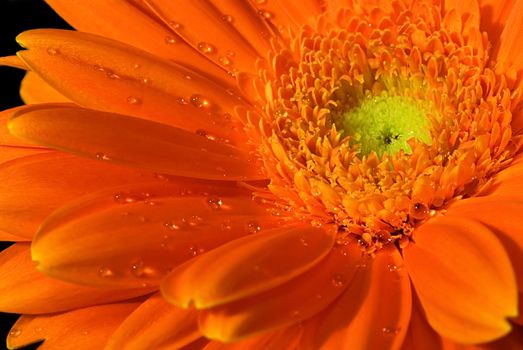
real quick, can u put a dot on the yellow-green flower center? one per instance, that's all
(384, 124)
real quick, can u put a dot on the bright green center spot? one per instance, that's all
(384, 124)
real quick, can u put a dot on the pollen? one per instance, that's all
(376, 120)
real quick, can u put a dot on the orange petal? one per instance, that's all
(9, 153)
(220, 42)
(33, 187)
(136, 142)
(468, 11)
(286, 338)
(25, 290)
(8, 237)
(87, 328)
(133, 235)
(134, 82)
(502, 216)
(155, 324)
(35, 90)
(373, 313)
(420, 334)
(464, 279)
(509, 182)
(494, 14)
(247, 266)
(6, 139)
(124, 21)
(508, 50)
(288, 13)
(287, 304)
(13, 61)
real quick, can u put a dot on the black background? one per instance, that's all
(15, 17)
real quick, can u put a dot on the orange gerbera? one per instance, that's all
(288, 175)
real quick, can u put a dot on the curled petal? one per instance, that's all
(247, 266)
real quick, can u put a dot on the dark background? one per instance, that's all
(15, 17)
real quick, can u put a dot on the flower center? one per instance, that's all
(384, 124)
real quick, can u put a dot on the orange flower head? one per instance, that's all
(264, 174)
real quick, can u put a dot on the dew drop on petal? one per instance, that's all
(214, 202)
(113, 76)
(15, 332)
(181, 101)
(253, 227)
(52, 51)
(175, 25)
(227, 18)
(171, 225)
(105, 272)
(38, 329)
(418, 211)
(169, 40)
(102, 156)
(133, 100)
(200, 101)
(390, 330)
(206, 48)
(337, 281)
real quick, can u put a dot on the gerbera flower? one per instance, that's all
(267, 175)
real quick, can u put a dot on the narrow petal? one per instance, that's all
(247, 266)
(290, 14)
(13, 61)
(508, 50)
(126, 22)
(81, 329)
(133, 235)
(134, 82)
(6, 139)
(155, 324)
(463, 276)
(220, 42)
(373, 313)
(502, 217)
(34, 186)
(25, 290)
(35, 90)
(287, 304)
(286, 338)
(8, 237)
(9, 153)
(468, 11)
(494, 14)
(144, 144)
(420, 334)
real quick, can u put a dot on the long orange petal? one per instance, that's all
(25, 290)
(420, 334)
(124, 21)
(508, 50)
(247, 266)
(133, 235)
(494, 14)
(290, 303)
(13, 61)
(35, 90)
(463, 276)
(136, 142)
(33, 187)
(6, 139)
(220, 42)
(81, 329)
(9, 237)
(502, 216)
(155, 324)
(373, 318)
(102, 74)
(9, 153)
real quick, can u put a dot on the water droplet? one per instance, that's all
(206, 48)
(105, 272)
(200, 101)
(175, 25)
(169, 40)
(133, 100)
(171, 226)
(304, 242)
(418, 211)
(85, 332)
(214, 202)
(390, 330)
(15, 332)
(113, 76)
(338, 281)
(266, 14)
(102, 156)
(136, 66)
(253, 227)
(226, 226)
(230, 54)
(393, 268)
(227, 18)
(194, 251)
(225, 61)
(138, 269)
(192, 220)
(181, 101)
(145, 80)
(52, 51)
(123, 198)
(187, 76)
(38, 329)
